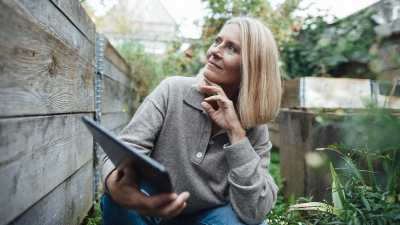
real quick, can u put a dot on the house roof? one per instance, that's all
(149, 11)
(140, 19)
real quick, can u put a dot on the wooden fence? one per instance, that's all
(48, 166)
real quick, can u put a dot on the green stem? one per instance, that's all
(371, 173)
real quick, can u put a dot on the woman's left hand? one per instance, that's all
(225, 116)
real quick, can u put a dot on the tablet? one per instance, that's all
(152, 176)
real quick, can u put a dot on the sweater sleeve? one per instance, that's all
(144, 127)
(253, 191)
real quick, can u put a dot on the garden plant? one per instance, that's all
(359, 197)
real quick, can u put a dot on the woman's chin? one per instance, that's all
(210, 75)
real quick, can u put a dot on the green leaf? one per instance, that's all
(396, 159)
(362, 214)
(380, 222)
(367, 206)
(390, 185)
(371, 172)
(392, 180)
(385, 165)
(330, 147)
(337, 194)
(346, 186)
(310, 196)
(292, 197)
(357, 172)
(336, 197)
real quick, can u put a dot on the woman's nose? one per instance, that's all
(216, 51)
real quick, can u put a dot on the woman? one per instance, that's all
(211, 136)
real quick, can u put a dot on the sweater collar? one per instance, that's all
(194, 98)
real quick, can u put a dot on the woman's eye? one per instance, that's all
(232, 48)
(216, 41)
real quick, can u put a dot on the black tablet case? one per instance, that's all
(153, 177)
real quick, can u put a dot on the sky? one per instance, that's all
(185, 12)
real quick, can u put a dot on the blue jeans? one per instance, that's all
(115, 214)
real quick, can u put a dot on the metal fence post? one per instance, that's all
(98, 89)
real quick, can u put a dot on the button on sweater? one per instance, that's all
(172, 126)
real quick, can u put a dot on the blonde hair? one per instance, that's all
(260, 89)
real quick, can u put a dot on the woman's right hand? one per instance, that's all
(125, 190)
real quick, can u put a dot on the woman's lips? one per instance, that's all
(212, 65)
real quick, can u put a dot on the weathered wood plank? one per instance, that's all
(115, 97)
(47, 15)
(291, 88)
(112, 54)
(39, 73)
(288, 102)
(65, 203)
(36, 155)
(290, 95)
(388, 75)
(77, 14)
(111, 121)
(111, 71)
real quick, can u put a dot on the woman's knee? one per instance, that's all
(113, 213)
(220, 215)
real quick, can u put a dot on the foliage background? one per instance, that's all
(308, 46)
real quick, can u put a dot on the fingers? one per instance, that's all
(180, 203)
(146, 205)
(219, 98)
(111, 180)
(175, 207)
(126, 192)
(167, 210)
(209, 109)
(158, 201)
(214, 90)
(130, 177)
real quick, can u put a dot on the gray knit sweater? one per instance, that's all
(172, 125)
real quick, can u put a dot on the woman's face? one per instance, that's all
(223, 57)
